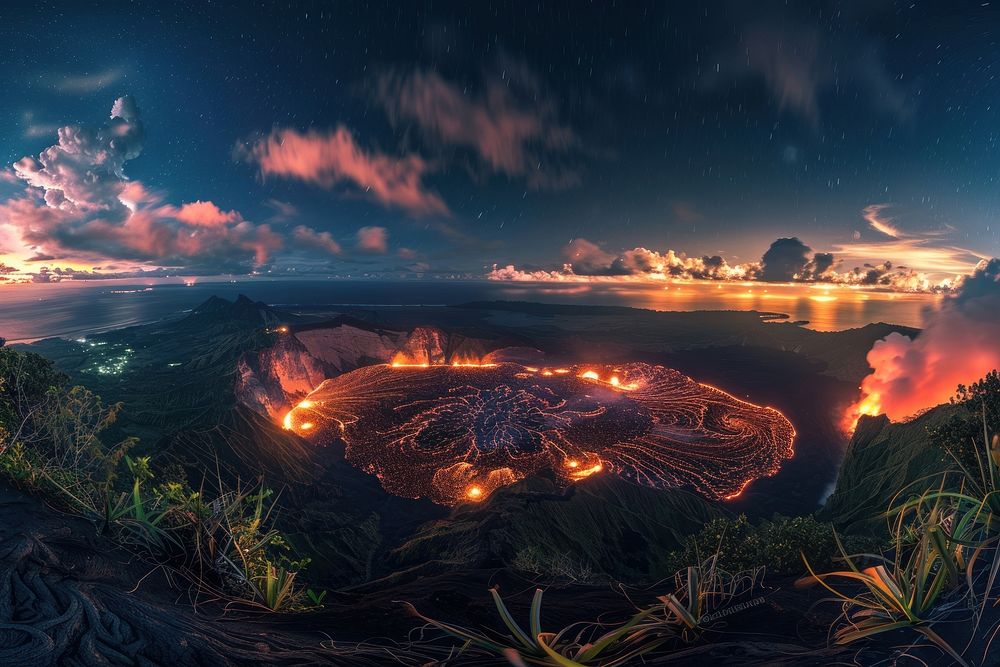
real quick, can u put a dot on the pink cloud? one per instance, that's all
(310, 238)
(373, 239)
(333, 158)
(206, 214)
(80, 207)
(83, 171)
(147, 234)
(511, 136)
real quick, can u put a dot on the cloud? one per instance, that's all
(927, 252)
(958, 345)
(685, 212)
(880, 223)
(800, 62)
(80, 206)
(587, 261)
(33, 128)
(83, 172)
(89, 82)
(334, 158)
(822, 263)
(373, 239)
(307, 237)
(788, 62)
(283, 210)
(510, 127)
(786, 260)
(206, 214)
(59, 274)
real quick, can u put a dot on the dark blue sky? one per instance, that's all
(480, 133)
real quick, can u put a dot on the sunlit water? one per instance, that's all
(29, 312)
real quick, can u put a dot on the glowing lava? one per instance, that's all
(457, 432)
(869, 405)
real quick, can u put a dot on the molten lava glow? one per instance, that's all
(739, 492)
(289, 422)
(869, 405)
(403, 360)
(456, 433)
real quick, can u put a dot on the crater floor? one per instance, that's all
(456, 433)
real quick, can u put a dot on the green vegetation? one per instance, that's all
(979, 412)
(776, 544)
(701, 594)
(567, 648)
(50, 442)
(944, 557)
(915, 586)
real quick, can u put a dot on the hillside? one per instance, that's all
(211, 388)
(885, 462)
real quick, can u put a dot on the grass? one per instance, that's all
(226, 545)
(913, 589)
(574, 646)
(702, 590)
(678, 619)
(943, 556)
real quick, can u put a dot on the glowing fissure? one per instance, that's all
(456, 432)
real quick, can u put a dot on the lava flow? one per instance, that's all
(458, 432)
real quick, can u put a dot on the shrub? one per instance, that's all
(775, 544)
(980, 410)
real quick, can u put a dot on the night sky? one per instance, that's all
(440, 139)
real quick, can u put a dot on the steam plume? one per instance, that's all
(959, 345)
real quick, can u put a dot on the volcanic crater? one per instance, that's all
(455, 433)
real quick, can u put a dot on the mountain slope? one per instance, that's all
(885, 462)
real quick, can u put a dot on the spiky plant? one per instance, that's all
(912, 589)
(573, 646)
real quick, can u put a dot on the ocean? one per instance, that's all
(74, 309)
